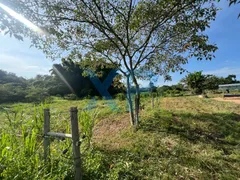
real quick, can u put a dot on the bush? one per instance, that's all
(70, 97)
(49, 100)
(144, 95)
(154, 94)
(97, 97)
(37, 95)
(88, 97)
(120, 96)
(58, 95)
(173, 93)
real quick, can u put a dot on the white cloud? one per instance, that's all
(26, 66)
(31, 67)
(224, 71)
(17, 57)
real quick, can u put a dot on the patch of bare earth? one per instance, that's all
(108, 132)
(233, 99)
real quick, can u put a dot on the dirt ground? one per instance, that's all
(233, 99)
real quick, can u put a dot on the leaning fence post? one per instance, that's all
(76, 143)
(46, 141)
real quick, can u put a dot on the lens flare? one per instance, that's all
(22, 19)
(63, 79)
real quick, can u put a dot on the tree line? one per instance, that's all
(197, 83)
(65, 80)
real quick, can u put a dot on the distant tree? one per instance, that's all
(7, 77)
(36, 95)
(231, 79)
(151, 86)
(163, 89)
(12, 92)
(12, 87)
(51, 83)
(66, 78)
(70, 74)
(195, 82)
(178, 87)
(211, 82)
(75, 76)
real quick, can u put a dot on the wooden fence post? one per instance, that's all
(76, 143)
(46, 141)
(152, 101)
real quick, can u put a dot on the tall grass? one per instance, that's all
(21, 150)
(180, 138)
(21, 145)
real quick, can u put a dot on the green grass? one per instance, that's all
(181, 138)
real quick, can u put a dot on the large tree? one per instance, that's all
(133, 35)
(72, 75)
(195, 82)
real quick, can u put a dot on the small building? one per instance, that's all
(230, 87)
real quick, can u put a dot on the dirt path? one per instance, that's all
(234, 100)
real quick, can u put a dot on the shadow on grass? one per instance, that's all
(150, 158)
(218, 128)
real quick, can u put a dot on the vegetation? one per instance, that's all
(66, 80)
(181, 138)
(231, 2)
(197, 83)
(174, 90)
(177, 138)
(133, 36)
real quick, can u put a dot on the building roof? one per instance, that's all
(229, 85)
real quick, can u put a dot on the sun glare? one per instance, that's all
(63, 78)
(22, 19)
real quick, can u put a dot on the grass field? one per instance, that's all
(181, 138)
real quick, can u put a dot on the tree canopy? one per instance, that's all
(132, 35)
(232, 2)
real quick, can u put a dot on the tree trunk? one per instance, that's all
(137, 104)
(137, 100)
(129, 99)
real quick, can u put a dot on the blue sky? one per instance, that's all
(19, 58)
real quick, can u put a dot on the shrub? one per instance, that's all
(58, 95)
(120, 96)
(70, 97)
(97, 97)
(144, 95)
(88, 97)
(173, 93)
(154, 94)
(49, 100)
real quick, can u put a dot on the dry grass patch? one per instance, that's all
(108, 132)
